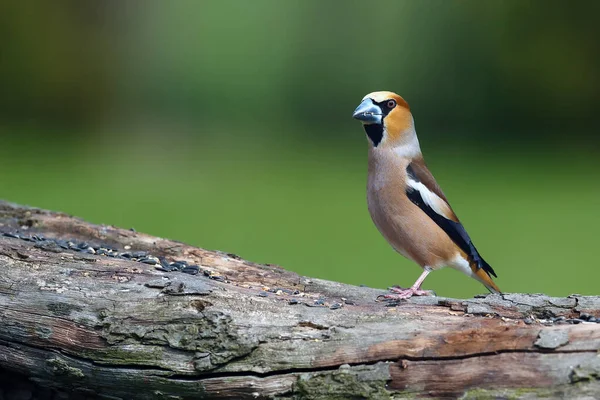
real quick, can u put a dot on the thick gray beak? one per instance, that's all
(368, 112)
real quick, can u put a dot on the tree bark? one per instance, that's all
(114, 327)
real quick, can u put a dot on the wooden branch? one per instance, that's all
(121, 327)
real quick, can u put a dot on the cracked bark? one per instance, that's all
(118, 328)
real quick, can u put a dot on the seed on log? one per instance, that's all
(219, 278)
(191, 269)
(585, 316)
(179, 264)
(139, 254)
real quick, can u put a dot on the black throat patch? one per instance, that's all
(374, 132)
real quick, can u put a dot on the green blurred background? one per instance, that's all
(226, 124)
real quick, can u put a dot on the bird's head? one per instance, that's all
(387, 119)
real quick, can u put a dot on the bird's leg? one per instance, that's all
(414, 290)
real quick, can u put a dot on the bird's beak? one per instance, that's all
(368, 112)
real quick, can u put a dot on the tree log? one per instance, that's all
(114, 325)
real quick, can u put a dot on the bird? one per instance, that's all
(405, 201)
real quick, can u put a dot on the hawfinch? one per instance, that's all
(406, 203)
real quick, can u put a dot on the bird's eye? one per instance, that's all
(391, 104)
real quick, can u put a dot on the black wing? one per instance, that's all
(453, 229)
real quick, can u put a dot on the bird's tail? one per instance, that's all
(483, 276)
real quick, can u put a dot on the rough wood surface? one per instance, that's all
(119, 328)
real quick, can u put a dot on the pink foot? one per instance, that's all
(399, 293)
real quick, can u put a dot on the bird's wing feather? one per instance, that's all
(420, 178)
(423, 190)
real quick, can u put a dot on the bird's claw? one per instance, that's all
(399, 293)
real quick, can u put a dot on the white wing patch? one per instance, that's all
(436, 203)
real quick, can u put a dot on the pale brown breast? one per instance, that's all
(404, 225)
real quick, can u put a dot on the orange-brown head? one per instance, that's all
(386, 118)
